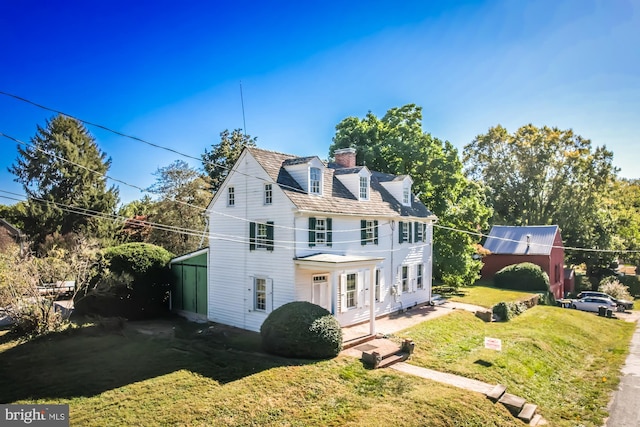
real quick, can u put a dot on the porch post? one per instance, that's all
(334, 292)
(372, 301)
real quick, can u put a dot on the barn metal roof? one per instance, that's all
(524, 240)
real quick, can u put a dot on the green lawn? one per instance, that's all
(129, 379)
(565, 361)
(487, 296)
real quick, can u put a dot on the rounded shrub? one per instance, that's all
(133, 283)
(525, 276)
(301, 329)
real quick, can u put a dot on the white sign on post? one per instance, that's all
(493, 343)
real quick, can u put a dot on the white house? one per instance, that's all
(286, 228)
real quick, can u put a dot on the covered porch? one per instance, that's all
(343, 284)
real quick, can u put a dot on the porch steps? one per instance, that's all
(386, 353)
(357, 341)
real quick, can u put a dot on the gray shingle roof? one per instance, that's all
(336, 198)
(512, 240)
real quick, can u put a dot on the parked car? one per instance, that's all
(592, 303)
(623, 303)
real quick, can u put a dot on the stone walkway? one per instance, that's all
(441, 377)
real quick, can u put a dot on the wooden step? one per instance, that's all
(527, 412)
(496, 393)
(512, 402)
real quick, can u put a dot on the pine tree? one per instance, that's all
(63, 165)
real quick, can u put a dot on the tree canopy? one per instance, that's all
(218, 162)
(541, 176)
(63, 165)
(396, 144)
(183, 194)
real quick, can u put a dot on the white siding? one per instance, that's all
(232, 265)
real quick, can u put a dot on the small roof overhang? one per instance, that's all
(334, 261)
(189, 255)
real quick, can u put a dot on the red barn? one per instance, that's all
(537, 244)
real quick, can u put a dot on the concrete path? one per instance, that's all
(441, 377)
(624, 410)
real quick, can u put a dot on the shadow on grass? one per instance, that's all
(88, 361)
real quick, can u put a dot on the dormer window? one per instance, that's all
(406, 195)
(364, 188)
(315, 179)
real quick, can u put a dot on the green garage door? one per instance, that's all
(189, 286)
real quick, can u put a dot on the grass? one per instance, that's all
(565, 361)
(487, 296)
(124, 378)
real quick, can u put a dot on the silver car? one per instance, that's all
(592, 304)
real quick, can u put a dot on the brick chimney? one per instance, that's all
(345, 157)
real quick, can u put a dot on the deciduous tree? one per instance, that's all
(397, 144)
(540, 176)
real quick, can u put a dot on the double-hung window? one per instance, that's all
(351, 290)
(368, 232)
(268, 194)
(419, 274)
(315, 175)
(231, 196)
(419, 232)
(321, 231)
(404, 231)
(406, 194)
(260, 294)
(261, 235)
(405, 278)
(364, 188)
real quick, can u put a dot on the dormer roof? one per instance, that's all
(336, 199)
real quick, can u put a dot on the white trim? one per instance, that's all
(189, 255)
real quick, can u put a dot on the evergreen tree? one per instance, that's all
(218, 162)
(64, 165)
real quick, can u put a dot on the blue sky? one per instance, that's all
(170, 72)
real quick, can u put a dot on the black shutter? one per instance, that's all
(252, 236)
(363, 232)
(375, 231)
(329, 233)
(400, 232)
(270, 235)
(312, 232)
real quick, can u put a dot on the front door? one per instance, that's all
(320, 293)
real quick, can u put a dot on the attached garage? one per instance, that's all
(189, 284)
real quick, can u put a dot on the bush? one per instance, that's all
(301, 329)
(133, 283)
(632, 282)
(611, 286)
(524, 277)
(508, 310)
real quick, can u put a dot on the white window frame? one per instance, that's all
(231, 196)
(260, 294)
(420, 276)
(421, 231)
(268, 194)
(404, 278)
(351, 294)
(321, 231)
(364, 188)
(261, 235)
(370, 231)
(405, 231)
(315, 183)
(406, 195)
